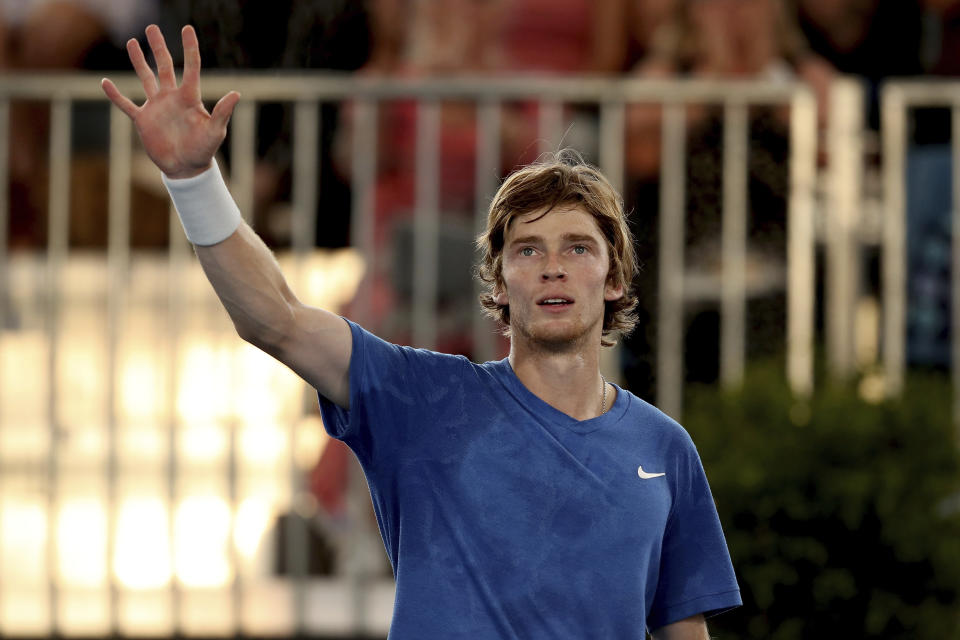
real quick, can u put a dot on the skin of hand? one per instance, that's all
(177, 132)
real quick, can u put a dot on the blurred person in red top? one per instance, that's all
(422, 39)
(558, 38)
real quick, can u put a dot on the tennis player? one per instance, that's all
(523, 499)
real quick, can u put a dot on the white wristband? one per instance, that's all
(206, 209)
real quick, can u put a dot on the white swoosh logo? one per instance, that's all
(646, 476)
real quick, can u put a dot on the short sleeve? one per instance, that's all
(696, 574)
(392, 392)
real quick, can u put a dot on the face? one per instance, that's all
(555, 270)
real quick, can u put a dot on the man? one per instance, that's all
(522, 499)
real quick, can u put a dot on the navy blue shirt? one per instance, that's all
(506, 518)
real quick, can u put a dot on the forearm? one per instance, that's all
(241, 268)
(247, 279)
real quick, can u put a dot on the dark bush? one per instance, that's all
(842, 516)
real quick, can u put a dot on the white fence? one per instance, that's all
(898, 99)
(146, 453)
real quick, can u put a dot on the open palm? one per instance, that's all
(177, 132)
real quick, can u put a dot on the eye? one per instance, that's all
(579, 249)
(526, 251)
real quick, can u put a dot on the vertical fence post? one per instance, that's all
(364, 162)
(612, 123)
(549, 125)
(426, 225)
(4, 209)
(733, 288)
(800, 242)
(118, 265)
(893, 114)
(178, 256)
(5, 302)
(243, 157)
(57, 248)
(363, 168)
(306, 139)
(486, 181)
(671, 268)
(844, 197)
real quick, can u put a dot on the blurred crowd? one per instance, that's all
(776, 40)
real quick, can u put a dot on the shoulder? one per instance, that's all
(371, 346)
(377, 363)
(656, 423)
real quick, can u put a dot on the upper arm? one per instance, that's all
(315, 343)
(318, 346)
(692, 628)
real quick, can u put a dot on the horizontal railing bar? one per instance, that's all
(924, 93)
(330, 86)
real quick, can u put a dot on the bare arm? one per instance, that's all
(692, 628)
(181, 138)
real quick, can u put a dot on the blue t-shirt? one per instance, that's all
(506, 518)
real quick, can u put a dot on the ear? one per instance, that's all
(612, 292)
(500, 296)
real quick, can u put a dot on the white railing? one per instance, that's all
(130, 290)
(897, 99)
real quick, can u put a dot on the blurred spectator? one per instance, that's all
(65, 34)
(734, 39)
(929, 197)
(874, 39)
(644, 19)
(940, 41)
(564, 36)
(929, 208)
(560, 37)
(440, 38)
(62, 35)
(725, 39)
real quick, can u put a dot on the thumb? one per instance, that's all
(224, 109)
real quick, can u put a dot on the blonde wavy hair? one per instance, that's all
(559, 180)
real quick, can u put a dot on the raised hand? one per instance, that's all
(178, 133)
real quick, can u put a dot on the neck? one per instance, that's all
(569, 381)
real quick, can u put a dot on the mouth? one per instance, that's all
(555, 302)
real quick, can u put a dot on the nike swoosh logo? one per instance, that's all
(646, 476)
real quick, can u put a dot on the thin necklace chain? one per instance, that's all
(603, 398)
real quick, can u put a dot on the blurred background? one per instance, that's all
(791, 173)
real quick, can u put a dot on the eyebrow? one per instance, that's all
(567, 237)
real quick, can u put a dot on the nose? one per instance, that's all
(553, 270)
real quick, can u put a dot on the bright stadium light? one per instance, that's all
(201, 532)
(142, 555)
(81, 542)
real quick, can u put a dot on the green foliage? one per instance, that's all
(842, 517)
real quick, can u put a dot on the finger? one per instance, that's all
(142, 68)
(224, 109)
(165, 75)
(117, 98)
(191, 62)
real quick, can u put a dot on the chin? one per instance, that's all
(556, 337)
